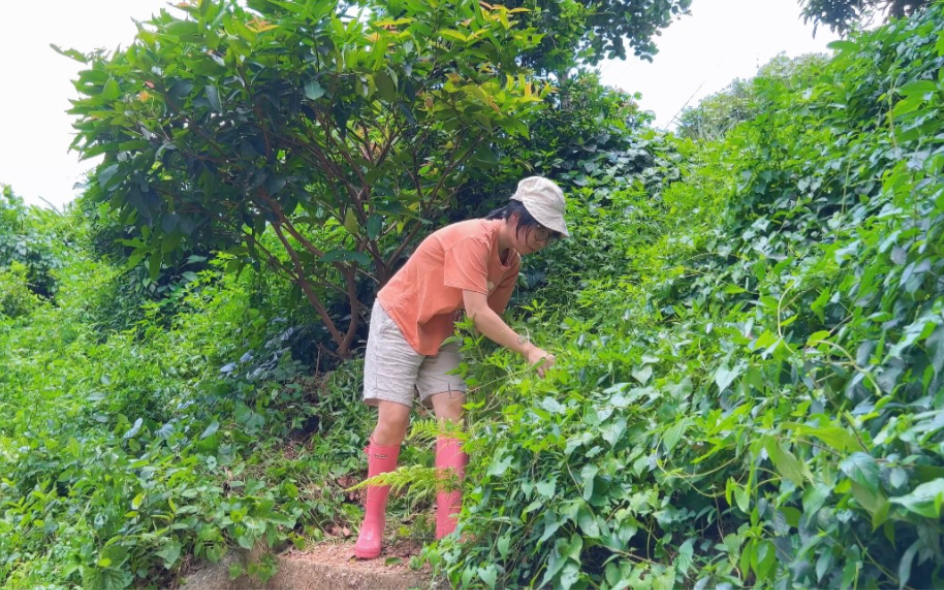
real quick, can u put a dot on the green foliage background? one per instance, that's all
(748, 322)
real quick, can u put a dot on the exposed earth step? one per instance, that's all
(322, 567)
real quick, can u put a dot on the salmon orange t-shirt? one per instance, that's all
(423, 296)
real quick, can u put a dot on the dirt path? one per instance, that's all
(328, 566)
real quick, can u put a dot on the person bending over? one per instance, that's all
(473, 266)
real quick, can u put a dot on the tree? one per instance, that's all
(717, 114)
(841, 15)
(590, 31)
(301, 136)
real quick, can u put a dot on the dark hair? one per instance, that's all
(525, 221)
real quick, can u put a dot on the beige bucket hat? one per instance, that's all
(544, 200)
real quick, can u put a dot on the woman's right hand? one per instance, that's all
(535, 356)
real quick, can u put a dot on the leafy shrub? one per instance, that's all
(756, 400)
(121, 456)
(16, 298)
(740, 101)
(34, 238)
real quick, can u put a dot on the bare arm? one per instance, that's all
(495, 329)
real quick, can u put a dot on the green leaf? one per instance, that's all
(386, 86)
(742, 499)
(313, 90)
(569, 576)
(843, 46)
(503, 544)
(453, 34)
(210, 430)
(786, 463)
(71, 53)
(918, 87)
(871, 500)
(105, 174)
(613, 431)
(170, 553)
(111, 90)
(489, 575)
(725, 376)
(588, 475)
(835, 436)
(213, 95)
(814, 497)
(546, 488)
(881, 514)
(498, 467)
(642, 374)
(926, 499)
(117, 554)
(154, 265)
(374, 226)
(674, 434)
(863, 469)
(134, 430)
(686, 551)
(904, 566)
(339, 255)
(587, 522)
(764, 559)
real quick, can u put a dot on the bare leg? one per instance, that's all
(392, 422)
(448, 406)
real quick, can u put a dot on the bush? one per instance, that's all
(35, 239)
(756, 399)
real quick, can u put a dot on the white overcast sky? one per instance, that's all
(700, 54)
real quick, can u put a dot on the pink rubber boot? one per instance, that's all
(449, 455)
(379, 460)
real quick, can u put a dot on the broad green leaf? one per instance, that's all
(742, 498)
(339, 255)
(546, 488)
(105, 175)
(386, 86)
(170, 553)
(863, 469)
(313, 90)
(587, 522)
(111, 91)
(836, 437)
(685, 554)
(843, 46)
(210, 430)
(814, 497)
(613, 431)
(786, 463)
(374, 226)
(904, 566)
(674, 434)
(926, 499)
(764, 559)
(642, 374)
(213, 96)
(489, 575)
(724, 376)
(453, 34)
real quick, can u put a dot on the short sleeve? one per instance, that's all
(466, 265)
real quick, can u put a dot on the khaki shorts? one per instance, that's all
(393, 371)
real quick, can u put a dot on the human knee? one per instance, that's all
(392, 426)
(449, 406)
